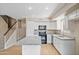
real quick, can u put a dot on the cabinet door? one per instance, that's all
(49, 38)
(56, 43)
(65, 24)
(54, 40)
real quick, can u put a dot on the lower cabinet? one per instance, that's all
(64, 46)
(49, 38)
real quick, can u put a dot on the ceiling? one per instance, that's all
(19, 10)
(61, 9)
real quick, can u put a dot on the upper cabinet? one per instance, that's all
(65, 24)
(73, 13)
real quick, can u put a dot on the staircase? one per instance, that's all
(9, 20)
(11, 31)
(7, 31)
(5, 18)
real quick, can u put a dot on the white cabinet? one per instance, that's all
(65, 24)
(49, 38)
(64, 46)
(31, 49)
(73, 13)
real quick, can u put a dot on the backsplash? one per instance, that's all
(67, 28)
(69, 34)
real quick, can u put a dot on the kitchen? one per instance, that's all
(58, 29)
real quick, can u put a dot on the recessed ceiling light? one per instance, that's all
(30, 8)
(46, 8)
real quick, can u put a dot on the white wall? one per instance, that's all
(60, 20)
(30, 28)
(52, 25)
(31, 25)
(74, 28)
(62, 24)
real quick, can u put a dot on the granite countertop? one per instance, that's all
(53, 31)
(63, 37)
